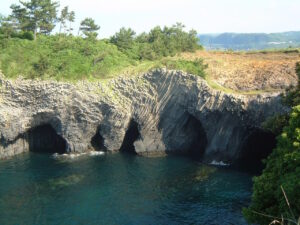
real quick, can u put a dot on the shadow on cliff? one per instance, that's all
(132, 134)
(44, 139)
(187, 137)
(97, 141)
(255, 147)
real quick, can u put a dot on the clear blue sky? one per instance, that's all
(205, 16)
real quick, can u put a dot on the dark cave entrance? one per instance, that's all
(132, 134)
(197, 140)
(256, 147)
(97, 141)
(44, 139)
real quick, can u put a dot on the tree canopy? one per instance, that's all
(37, 16)
(124, 38)
(66, 56)
(89, 28)
(159, 42)
(66, 16)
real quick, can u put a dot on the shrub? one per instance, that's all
(196, 67)
(60, 57)
(282, 169)
(158, 43)
(65, 57)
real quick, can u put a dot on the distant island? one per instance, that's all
(250, 41)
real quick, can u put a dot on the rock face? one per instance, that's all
(160, 112)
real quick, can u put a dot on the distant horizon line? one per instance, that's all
(234, 32)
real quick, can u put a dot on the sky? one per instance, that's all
(205, 16)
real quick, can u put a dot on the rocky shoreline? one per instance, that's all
(156, 113)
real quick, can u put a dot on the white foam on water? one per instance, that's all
(77, 155)
(220, 163)
(96, 153)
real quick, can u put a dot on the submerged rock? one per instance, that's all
(159, 112)
(204, 172)
(65, 181)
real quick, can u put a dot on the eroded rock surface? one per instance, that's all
(173, 112)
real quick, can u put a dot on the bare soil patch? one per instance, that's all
(241, 71)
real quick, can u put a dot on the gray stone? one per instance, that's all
(175, 112)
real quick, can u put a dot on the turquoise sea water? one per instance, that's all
(37, 189)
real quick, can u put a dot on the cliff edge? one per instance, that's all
(159, 112)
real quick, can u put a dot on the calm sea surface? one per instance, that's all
(37, 189)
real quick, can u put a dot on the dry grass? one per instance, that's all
(249, 72)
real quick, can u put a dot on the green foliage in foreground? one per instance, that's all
(282, 169)
(276, 123)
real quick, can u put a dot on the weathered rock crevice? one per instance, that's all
(159, 112)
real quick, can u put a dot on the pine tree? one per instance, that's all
(36, 15)
(89, 28)
(19, 15)
(124, 38)
(63, 17)
(71, 19)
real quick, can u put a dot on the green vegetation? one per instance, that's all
(28, 49)
(35, 16)
(67, 58)
(89, 28)
(196, 67)
(282, 170)
(157, 43)
(72, 58)
(65, 17)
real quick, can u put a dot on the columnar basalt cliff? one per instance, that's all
(155, 113)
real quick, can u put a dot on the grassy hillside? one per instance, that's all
(65, 57)
(60, 58)
(71, 58)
